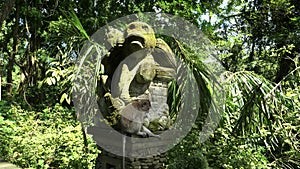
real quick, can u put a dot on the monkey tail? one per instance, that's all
(124, 149)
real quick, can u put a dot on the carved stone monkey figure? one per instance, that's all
(138, 64)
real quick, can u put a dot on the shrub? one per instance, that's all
(48, 139)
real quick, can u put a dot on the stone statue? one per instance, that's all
(137, 65)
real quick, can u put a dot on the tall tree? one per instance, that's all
(14, 52)
(263, 36)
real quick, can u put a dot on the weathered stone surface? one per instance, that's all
(164, 55)
(107, 160)
(136, 30)
(114, 37)
(141, 65)
(137, 65)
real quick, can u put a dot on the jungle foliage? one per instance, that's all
(257, 42)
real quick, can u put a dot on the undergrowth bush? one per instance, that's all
(51, 138)
(274, 145)
(221, 150)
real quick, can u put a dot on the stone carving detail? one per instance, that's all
(138, 66)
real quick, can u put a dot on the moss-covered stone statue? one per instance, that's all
(138, 65)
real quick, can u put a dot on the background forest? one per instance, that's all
(257, 41)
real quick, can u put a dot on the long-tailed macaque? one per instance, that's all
(132, 118)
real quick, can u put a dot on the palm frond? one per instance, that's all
(262, 113)
(247, 90)
(73, 19)
(209, 92)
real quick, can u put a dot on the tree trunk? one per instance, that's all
(6, 10)
(11, 58)
(0, 84)
(284, 68)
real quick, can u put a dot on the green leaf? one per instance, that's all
(63, 97)
(49, 82)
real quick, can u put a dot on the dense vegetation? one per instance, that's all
(257, 42)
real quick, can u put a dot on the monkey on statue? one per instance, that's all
(132, 118)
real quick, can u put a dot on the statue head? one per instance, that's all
(140, 34)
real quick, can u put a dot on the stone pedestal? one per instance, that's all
(141, 153)
(107, 160)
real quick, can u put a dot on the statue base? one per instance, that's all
(107, 160)
(145, 153)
